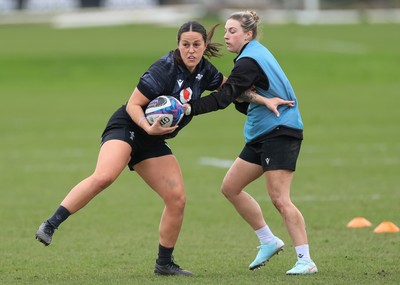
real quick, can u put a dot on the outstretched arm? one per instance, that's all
(271, 103)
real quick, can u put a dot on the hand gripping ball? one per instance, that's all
(168, 107)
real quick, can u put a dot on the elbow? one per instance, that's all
(224, 103)
(221, 107)
(128, 109)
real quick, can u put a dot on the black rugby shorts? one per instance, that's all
(273, 153)
(142, 148)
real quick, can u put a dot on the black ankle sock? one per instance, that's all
(164, 255)
(59, 216)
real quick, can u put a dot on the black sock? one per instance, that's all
(164, 255)
(59, 216)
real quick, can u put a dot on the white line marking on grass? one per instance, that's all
(331, 198)
(217, 162)
(56, 168)
(335, 46)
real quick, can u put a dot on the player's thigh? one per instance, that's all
(239, 175)
(163, 175)
(113, 157)
(278, 184)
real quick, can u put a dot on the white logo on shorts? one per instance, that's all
(132, 135)
(267, 160)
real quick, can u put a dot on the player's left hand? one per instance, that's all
(270, 103)
(187, 108)
(274, 103)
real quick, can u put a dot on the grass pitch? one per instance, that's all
(58, 89)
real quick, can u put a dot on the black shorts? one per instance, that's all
(142, 147)
(274, 153)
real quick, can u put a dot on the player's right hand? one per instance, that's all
(157, 130)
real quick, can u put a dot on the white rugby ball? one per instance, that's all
(168, 107)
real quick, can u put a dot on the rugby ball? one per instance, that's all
(168, 107)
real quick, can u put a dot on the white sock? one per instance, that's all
(303, 252)
(264, 234)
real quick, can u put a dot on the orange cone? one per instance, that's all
(387, 227)
(359, 222)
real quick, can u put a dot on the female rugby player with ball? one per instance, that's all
(129, 140)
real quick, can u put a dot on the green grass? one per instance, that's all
(58, 89)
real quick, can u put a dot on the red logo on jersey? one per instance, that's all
(186, 95)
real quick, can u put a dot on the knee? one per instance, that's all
(278, 204)
(228, 191)
(101, 182)
(224, 190)
(180, 201)
(177, 200)
(282, 204)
